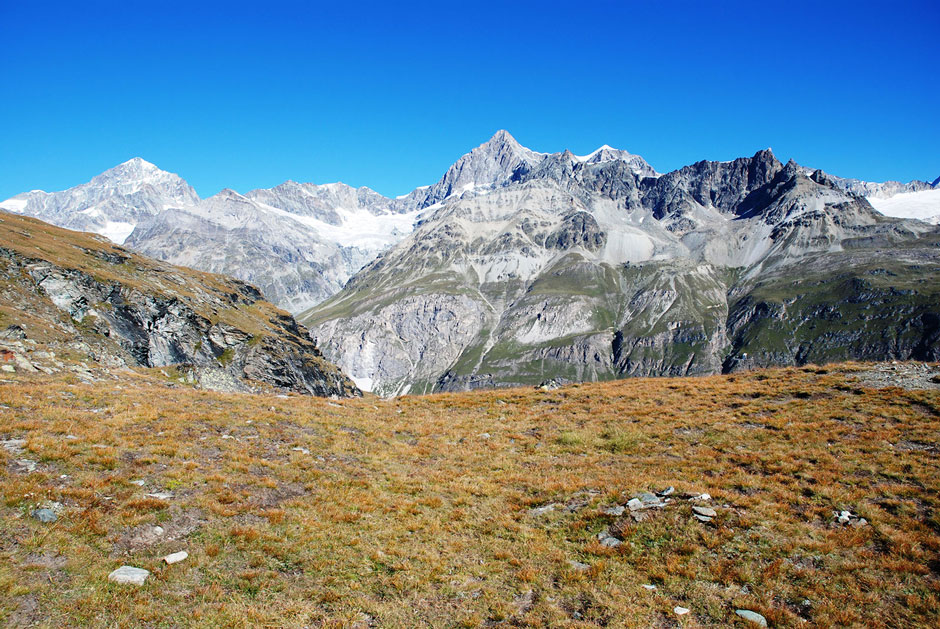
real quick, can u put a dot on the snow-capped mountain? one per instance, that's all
(111, 204)
(529, 266)
(301, 242)
(298, 243)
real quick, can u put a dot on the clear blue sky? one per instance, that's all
(247, 95)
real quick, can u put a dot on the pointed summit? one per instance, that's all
(493, 163)
(502, 137)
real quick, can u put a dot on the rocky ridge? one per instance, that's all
(300, 242)
(586, 270)
(73, 302)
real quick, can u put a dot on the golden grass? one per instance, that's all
(405, 512)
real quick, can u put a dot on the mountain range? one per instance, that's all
(517, 266)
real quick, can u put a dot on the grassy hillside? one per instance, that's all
(470, 509)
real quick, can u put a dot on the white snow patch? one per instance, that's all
(359, 228)
(17, 206)
(363, 383)
(923, 205)
(584, 158)
(116, 231)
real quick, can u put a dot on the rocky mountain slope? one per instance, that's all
(72, 301)
(298, 243)
(557, 266)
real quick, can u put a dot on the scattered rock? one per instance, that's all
(139, 482)
(544, 509)
(176, 557)
(578, 565)
(753, 617)
(46, 516)
(608, 540)
(13, 446)
(25, 465)
(161, 495)
(649, 586)
(705, 511)
(666, 492)
(129, 574)
(615, 510)
(847, 518)
(485, 435)
(301, 450)
(681, 611)
(8, 368)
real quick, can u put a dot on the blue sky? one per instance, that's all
(247, 95)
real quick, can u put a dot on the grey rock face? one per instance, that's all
(165, 321)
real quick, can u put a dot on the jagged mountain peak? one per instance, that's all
(935, 183)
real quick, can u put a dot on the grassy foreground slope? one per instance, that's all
(468, 509)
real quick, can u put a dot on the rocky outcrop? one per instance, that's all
(219, 332)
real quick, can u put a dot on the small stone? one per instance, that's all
(543, 509)
(648, 586)
(129, 574)
(667, 492)
(8, 368)
(27, 464)
(753, 617)
(706, 511)
(157, 530)
(705, 497)
(702, 518)
(301, 450)
(681, 611)
(860, 522)
(615, 510)
(47, 516)
(578, 565)
(606, 539)
(161, 495)
(485, 435)
(13, 445)
(176, 557)
(139, 482)
(634, 504)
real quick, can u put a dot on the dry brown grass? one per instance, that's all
(405, 512)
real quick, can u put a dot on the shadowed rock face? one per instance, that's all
(139, 312)
(581, 270)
